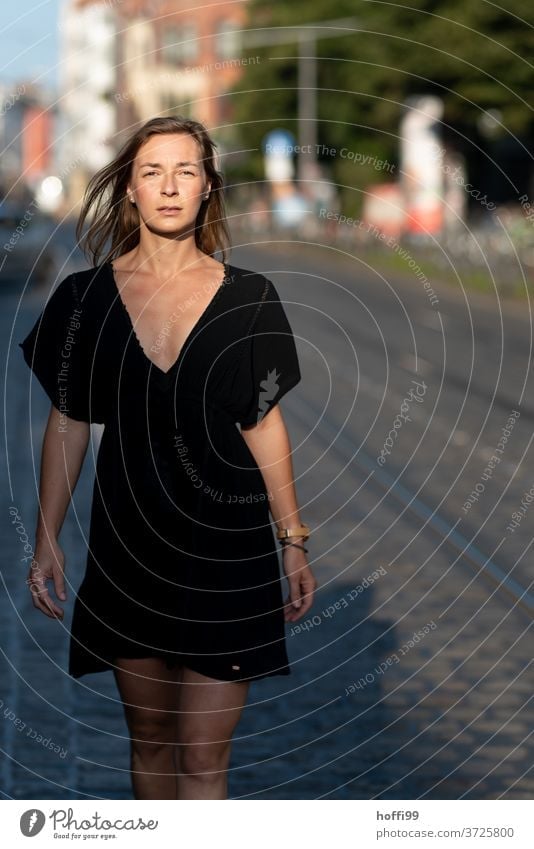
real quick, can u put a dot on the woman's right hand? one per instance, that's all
(47, 565)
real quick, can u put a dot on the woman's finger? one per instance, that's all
(301, 588)
(59, 584)
(42, 600)
(290, 613)
(307, 602)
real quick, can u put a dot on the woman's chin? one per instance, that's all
(170, 226)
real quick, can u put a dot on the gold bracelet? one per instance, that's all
(302, 531)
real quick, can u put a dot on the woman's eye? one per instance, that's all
(148, 173)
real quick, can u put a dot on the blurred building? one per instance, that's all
(37, 135)
(88, 69)
(27, 129)
(125, 62)
(178, 57)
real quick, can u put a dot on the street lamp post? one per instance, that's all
(307, 104)
(306, 36)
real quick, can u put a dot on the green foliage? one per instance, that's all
(471, 53)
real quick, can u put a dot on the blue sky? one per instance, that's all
(29, 41)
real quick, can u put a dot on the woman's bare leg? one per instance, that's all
(149, 692)
(209, 711)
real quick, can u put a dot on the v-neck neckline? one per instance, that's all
(191, 333)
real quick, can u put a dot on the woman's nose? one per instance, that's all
(170, 184)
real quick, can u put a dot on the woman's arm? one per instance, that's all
(268, 441)
(63, 452)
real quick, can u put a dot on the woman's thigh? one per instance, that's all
(149, 692)
(177, 705)
(209, 709)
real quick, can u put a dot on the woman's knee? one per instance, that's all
(152, 729)
(204, 759)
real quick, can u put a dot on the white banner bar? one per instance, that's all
(276, 824)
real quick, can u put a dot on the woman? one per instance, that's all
(169, 349)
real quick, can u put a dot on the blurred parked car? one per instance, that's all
(27, 247)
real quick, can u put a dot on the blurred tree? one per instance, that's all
(471, 53)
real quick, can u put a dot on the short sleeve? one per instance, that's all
(272, 361)
(56, 352)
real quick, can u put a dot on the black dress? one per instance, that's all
(182, 560)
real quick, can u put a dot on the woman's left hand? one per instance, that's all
(302, 583)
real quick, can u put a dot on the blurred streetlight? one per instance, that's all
(490, 123)
(49, 194)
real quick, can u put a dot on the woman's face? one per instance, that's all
(168, 182)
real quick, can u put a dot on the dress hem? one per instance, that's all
(106, 666)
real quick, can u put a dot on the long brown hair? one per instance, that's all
(115, 218)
